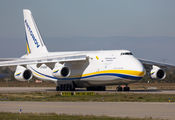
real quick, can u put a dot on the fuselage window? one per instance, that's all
(127, 53)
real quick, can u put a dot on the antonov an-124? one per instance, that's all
(78, 69)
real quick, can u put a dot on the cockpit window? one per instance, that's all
(127, 53)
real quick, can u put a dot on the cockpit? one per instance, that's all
(126, 53)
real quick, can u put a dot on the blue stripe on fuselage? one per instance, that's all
(96, 75)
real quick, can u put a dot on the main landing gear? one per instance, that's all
(125, 88)
(96, 88)
(65, 87)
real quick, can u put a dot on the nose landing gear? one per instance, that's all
(125, 88)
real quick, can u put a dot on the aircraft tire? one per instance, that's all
(62, 87)
(98, 88)
(103, 88)
(119, 88)
(73, 89)
(128, 89)
(125, 88)
(66, 87)
(57, 88)
(87, 89)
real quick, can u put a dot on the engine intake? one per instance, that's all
(157, 73)
(61, 71)
(23, 74)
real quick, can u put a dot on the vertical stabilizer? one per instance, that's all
(34, 41)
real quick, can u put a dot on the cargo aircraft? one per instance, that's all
(77, 69)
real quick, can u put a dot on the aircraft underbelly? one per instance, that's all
(103, 81)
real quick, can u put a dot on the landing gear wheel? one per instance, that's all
(57, 88)
(119, 88)
(103, 88)
(88, 89)
(62, 87)
(65, 87)
(126, 89)
(73, 89)
(68, 87)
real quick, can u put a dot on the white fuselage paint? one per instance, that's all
(100, 68)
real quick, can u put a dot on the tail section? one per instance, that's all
(34, 41)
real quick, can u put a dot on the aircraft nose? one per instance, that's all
(138, 67)
(134, 67)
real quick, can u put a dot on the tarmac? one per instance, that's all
(53, 89)
(114, 109)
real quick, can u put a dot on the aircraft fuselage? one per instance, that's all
(112, 67)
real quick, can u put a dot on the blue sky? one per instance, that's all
(146, 27)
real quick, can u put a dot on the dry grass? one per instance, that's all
(54, 116)
(98, 97)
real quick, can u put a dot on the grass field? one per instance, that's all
(53, 116)
(98, 97)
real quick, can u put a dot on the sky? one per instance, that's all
(145, 27)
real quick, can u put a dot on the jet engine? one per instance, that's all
(23, 74)
(157, 73)
(61, 71)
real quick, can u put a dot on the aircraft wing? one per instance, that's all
(148, 64)
(41, 60)
(8, 59)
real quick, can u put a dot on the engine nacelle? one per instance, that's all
(61, 71)
(23, 74)
(157, 73)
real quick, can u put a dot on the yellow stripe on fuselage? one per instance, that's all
(39, 75)
(125, 72)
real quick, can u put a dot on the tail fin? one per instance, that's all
(34, 41)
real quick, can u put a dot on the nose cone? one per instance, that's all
(137, 67)
(133, 67)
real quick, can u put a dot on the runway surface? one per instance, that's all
(52, 89)
(115, 109)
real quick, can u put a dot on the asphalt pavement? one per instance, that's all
(114, 109)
